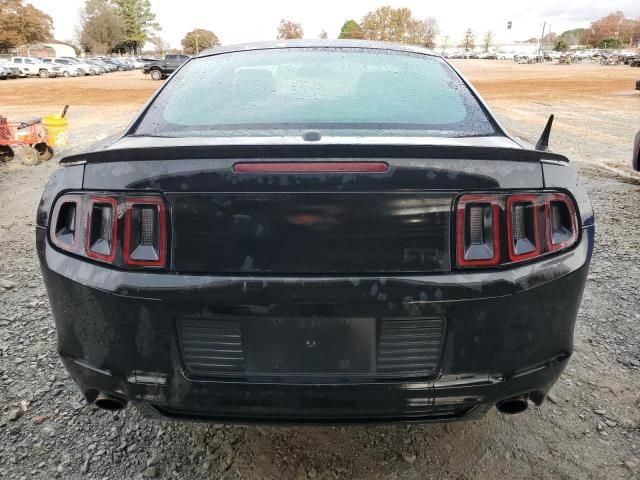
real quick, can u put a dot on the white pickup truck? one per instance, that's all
(36, 67)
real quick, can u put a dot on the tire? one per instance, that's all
(156, 74)
(44, 73)
(66, 74)
(45, 152)
(6, 153)
(29, 156)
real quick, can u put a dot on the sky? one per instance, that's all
(237, 21)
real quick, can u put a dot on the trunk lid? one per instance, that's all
(312, 223)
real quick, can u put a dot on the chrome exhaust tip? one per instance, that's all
(514, 405)
(109, 402)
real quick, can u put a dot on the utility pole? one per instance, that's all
(197, 49)
(544, 25)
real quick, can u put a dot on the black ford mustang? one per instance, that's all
(315, 232)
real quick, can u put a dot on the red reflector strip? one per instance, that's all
(311, 167)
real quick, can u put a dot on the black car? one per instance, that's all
(314, 232)
(160, 69)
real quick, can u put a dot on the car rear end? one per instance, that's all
(317, 278)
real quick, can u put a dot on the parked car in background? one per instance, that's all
(160, 69)
(108, 66)
(67, 69)
(5, 73)
(16, 71)
(36, 67)
(322, 232)
(84, 67)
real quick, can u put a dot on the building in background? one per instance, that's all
(51, 48)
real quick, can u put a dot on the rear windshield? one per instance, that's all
(343, 91)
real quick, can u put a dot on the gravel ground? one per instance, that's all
(589, 428)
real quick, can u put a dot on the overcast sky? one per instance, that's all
(236, 21)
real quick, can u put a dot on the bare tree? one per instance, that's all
(161, 45)
(101, 27)
(423, 32)
(469, 40)
(289, 30)
(323, 35)
(487, 40)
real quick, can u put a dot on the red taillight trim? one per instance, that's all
(495, 213)
(311, 167)
(162, 227)
(533, 199)
(74, 247)
(560, 197)
(114, 229)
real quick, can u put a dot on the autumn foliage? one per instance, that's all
(20, 24)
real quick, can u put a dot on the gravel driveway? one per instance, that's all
(588, 428)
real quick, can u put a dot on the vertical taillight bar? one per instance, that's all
(102, 228)
(478, 231)
(145, 239)
(523, 229)
(562, 221)
(64, 227)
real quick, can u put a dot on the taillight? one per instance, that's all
(102, 228)
(562, 221)
(493, 230)
(117, 229)
(523, 231)
(64, 228)
(145, 232)
(478, 233)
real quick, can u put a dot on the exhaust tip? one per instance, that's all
(109, 402)
(513, 406)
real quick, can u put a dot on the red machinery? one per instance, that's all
(27, 139)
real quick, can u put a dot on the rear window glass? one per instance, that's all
(346, 91)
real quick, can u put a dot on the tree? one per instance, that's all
(139, 23)
(323, 35)
(469, 40)
(610, 43)
(614, 25)
(572, 37)
(351, 29)
(423, 32)
(20, 24)
(561, 45)
(101, 27)
(487, 40)
(397, 25)
(288, 30)
(387, 24)
(161, 45)
(198, 40)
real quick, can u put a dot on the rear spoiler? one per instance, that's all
(317, 151)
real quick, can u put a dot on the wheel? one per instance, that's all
(29, 156)
(6, 153)
(45, 152)
(66, 74)
(80, 72)
(156, 74)
(43, 73)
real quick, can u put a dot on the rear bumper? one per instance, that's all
(508, 332)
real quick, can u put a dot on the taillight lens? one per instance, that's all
(478, 233)
(64, 228)
(562, 221)
(145, 232)
(102, 229)
(523, 231)
(527, 225)
(120, 230)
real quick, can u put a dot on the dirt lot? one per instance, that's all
(589, 428)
